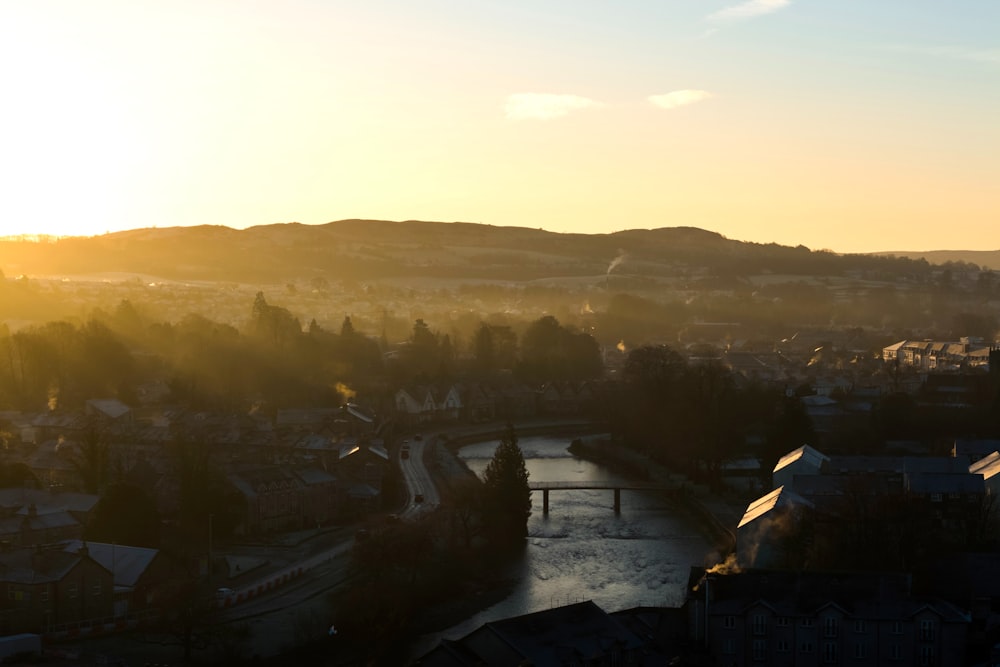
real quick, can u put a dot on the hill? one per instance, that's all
(379, 249)
(989, 259)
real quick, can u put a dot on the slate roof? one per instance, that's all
(789, 593)
(109, 407)
(778, 499)
(929, 483)
(803, 453)
(31, 566)
(988, 466)
(574, 634)
(20, 499)
(126, 564)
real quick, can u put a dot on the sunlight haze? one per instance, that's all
(852, 126)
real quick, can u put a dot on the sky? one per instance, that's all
(849, 125)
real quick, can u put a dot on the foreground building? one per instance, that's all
(767, 617)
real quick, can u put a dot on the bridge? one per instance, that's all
(546, 487)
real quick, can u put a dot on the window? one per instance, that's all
(806, 647)
(926, 655)
(783, 622)
(96, 589)
(43, 595)
(897, 627)
(830, 627)
(729, 647)
(729, 622)
(859, 625)
(829, 651)
(860, 651)
(927, 630)
(760, 649)
(782, 646)
(935, 497)
(759, 624)
(10, 591)
(71, 591)
(807, 622)
(896, 653)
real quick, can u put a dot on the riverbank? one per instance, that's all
(718, 515)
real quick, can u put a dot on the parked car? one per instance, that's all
(418, 497)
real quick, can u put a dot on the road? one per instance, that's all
(418, 479)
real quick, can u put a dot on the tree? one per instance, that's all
(127, 515)
(506, 494)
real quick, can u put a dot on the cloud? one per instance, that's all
(748, 10)
(544, 106)
(678, 98)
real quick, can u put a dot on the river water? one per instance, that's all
(582, 550)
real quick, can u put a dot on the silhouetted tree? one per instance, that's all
(549, 351)
(506, 494)
(125, 514)
(791, 428)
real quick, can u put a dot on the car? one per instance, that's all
(404, 453)
(418, 437)
(223, 593)
(418, 497)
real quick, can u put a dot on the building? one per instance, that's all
(577, 634)
(45, 589)
(775, 530)
(766, 617)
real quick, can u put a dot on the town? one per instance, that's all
(220, 486)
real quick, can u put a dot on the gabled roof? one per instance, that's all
(126, 564)
(311, 476)
(110, 407)
(780, 498)
(23, 498)
(988, 466)
(583, 631)
(30, 566)
(804, 453)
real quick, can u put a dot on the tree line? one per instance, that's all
(275, 360)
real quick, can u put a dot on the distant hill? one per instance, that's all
(379, 249)
(987, 258)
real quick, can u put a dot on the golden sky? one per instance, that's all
(853, 125)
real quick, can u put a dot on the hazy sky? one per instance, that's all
(844, 124)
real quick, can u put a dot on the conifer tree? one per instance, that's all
(507, 496)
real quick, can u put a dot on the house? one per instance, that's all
(424, 404)
(320, 496)
(32, 528)
(142, 577)
(271, 498)
(578, 634)
(803, 460)
(45, 589)
(108, 411)
(989, 468)
(774, 530)
(967, 352)
(360, 469)
(812, 618)
(479, 402)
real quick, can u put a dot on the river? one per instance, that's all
(582, 550)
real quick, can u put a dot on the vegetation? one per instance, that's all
(506, 495)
